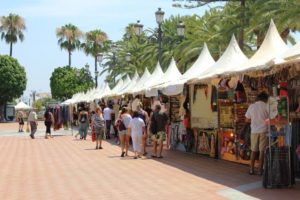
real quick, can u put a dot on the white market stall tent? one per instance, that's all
(232, 58)
(125, 84)
(172, 73)
(156, 75)
(121, 84)
(146, 75)
(22, 106)
(98, 92)
(133, 82)
(207, 118)
(292, 53)
(203, 63)
(271, 48)
(106, 90)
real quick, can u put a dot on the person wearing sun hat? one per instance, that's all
(32, 121)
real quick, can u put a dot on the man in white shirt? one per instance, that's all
(257, 114)
(107, 117)
(32, 121)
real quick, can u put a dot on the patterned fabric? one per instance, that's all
(159, 137)
(99, 121)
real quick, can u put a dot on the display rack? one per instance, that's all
(231, 121)
(174, 109)
(277, 163)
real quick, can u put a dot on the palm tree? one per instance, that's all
(11, 29)
(95, 42)
(69, 38)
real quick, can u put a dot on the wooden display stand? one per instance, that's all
(231, 118)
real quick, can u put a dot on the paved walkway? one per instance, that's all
(65, 168)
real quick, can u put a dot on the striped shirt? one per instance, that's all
(99, 121)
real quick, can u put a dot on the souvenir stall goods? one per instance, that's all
(282, 82)
(233, 133)
(294, 99)
(177, 137)
(203, 103)
(207, 142)
(146, 104)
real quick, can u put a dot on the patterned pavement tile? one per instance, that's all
(66, 168)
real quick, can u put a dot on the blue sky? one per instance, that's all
(39, 52)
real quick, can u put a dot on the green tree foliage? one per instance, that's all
(69, 38)
(11, 28)
(12, 78)
(95, 42)
(66, 81)
(42, 103)
(38, 105)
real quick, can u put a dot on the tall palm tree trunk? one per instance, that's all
(10, 49)
(70, 53)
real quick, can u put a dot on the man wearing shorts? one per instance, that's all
(257, 114)
(159, 121)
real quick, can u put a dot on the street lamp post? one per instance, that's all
(180, 29)
(159, 15)
(180, 33)
(138, 28)
(99, 59)
(128, 58)
(114, 59)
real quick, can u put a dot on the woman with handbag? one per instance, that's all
(98, 123)
(122, 125)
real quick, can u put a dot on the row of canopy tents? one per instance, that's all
(273, 51)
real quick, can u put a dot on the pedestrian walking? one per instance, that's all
(107, 117)
(136, 129)
(20, 118)
(32, 121)
(122, 125)
(83, 123)
(49, 120)
(98, 123)
(158, 126)
(144, 116)
(257, 115)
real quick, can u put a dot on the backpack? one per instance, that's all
(121, 126)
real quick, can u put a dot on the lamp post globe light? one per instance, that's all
(180, 29)
(138, 28)
(87, 67)
(159, 15)
(128, 57)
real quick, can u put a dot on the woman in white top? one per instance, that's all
(136, 129)
(122, 125)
